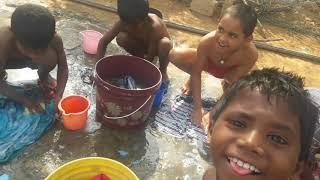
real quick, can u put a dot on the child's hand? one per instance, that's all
(34, 107)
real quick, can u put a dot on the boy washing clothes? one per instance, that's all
(31, 41)
(140, 33)
(262, 128)
(227, 53)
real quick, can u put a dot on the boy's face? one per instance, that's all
(229, 35)
(255, 139)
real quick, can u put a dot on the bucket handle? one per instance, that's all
(120, 117)
(93, 84)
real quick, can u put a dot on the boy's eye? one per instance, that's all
(278, 139)
(237, 124)
(220, 29)
(233, 36)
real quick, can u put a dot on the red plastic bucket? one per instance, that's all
(125, 108)
(74, 110)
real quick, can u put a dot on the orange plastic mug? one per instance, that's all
(74, 110)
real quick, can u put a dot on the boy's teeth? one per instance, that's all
(252, 168)
(234, 160)
(244, 164)
(240, 163)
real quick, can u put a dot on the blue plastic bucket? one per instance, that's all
(159, 95)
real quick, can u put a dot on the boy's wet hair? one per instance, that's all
(131, 11)
(33, 26)
(278, 85)
(246, 14)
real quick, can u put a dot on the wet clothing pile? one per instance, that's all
(20, 128)
(174, 117)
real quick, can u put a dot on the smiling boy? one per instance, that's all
(227, 53)
(262, 128)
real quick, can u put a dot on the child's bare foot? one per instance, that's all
(186, 89)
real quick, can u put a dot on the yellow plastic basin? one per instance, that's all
(87, 168)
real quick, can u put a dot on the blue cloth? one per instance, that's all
(19, 128)
(4, 177)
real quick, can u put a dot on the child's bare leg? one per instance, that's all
(164, 48)
(132, 46)
(184, 58)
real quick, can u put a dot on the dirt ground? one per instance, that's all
(177, 11)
